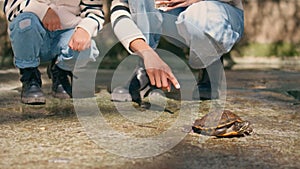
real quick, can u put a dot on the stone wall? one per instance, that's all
(269, 21)
(4, 41)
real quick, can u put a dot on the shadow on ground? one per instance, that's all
(50, 136)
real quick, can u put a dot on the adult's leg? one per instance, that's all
(210, 29)
(27, 37)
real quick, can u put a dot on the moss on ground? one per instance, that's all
(279, 49)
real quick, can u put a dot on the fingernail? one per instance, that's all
(177, 86)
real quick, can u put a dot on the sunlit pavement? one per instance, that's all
(50, 136)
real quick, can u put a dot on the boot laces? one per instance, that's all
(31, 76)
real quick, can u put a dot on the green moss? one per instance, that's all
(279, 49)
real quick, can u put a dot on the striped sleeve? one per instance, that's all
(93, 16)
(12, 8)
(123, 26)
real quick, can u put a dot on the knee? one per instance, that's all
(195, 15)
(24, 22)
(192, 22)
(214, 20)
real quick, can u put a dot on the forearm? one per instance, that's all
(138, 46)
(93, 16)
(120, 19)
(236, 3)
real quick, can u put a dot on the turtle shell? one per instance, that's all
(229, 124)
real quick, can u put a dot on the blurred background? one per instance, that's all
(271, 31)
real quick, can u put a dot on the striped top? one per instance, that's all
(86, 14)
(120, 16)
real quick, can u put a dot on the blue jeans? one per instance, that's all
(32, 44)
(208, 28)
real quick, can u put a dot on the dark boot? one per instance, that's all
(61, 81)
(31, 86)
(135, 89)
(209, 88)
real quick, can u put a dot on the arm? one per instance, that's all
(48, 17)
(133, 40)
(92, 22)
(120, 18)
(12, 8)
(93, 16)
(172, 4)
(236, 3)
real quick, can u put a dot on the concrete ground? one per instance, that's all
(51, 136)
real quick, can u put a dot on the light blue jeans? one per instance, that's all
(209, 28)
(32, 44)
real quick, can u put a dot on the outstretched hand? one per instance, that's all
(160, 74)
(172, 4)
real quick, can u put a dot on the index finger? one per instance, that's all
(158, 2)
(173, 80)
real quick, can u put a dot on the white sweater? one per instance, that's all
(86, 14)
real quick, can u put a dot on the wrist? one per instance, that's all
(148, 54)
(139, 45)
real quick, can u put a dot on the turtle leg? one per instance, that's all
(200, 130)
(219, 131)
(229, 134)
(236, 129)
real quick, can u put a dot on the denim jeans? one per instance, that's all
(32, 44)
(209, 28)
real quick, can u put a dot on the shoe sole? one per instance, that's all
(121, 97)
(34, 100)
(61, 95)
(126, 97)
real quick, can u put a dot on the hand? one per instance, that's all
(172, 4)
(80, 40)
(51, 20)
(160, 74)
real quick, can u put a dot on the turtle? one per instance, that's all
(230, 125)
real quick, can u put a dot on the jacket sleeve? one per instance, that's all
(12, 8)
(123, 26)
(93, 16)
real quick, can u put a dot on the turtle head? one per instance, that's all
(244, 127)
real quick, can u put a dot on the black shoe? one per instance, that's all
(204, 90)
(61, 81)
(135, 90)
(31, 86)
